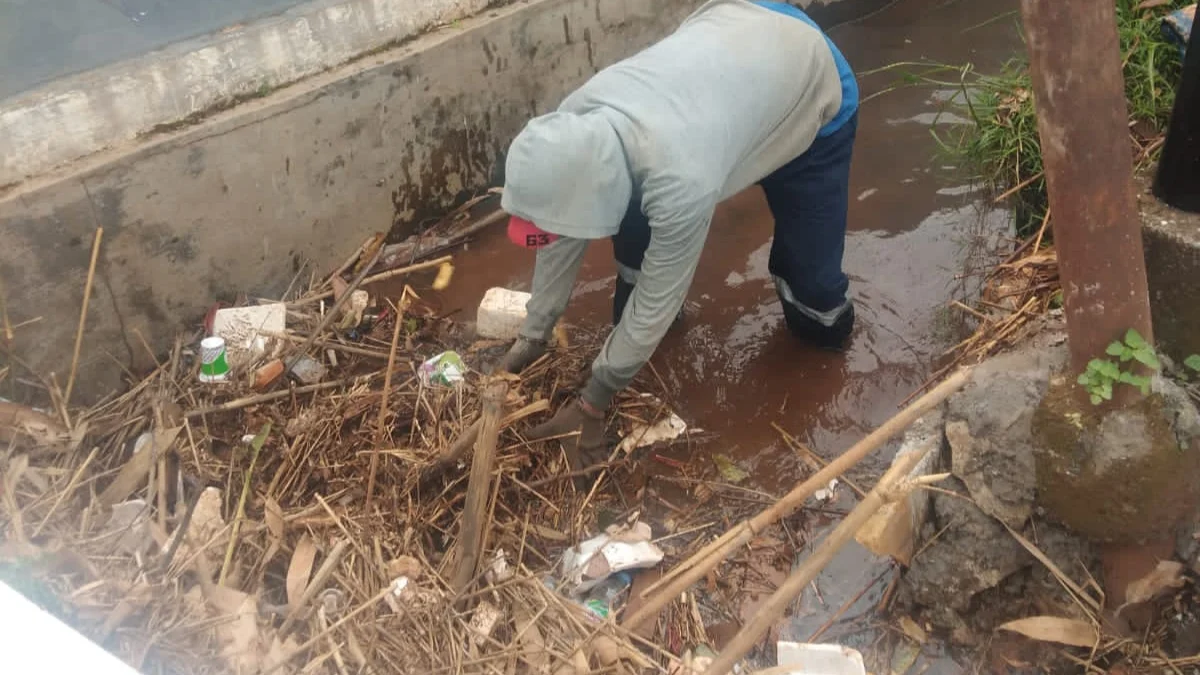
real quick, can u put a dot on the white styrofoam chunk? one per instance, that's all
(242, 327)
(501, 314)
(819, 659)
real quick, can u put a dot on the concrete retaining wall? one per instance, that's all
(239, 201)
(109, 107)
(236, 204)
(1172, 242)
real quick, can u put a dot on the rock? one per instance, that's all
(989, 431)
(1074, 556)
(975, 576)
(972, 553)
(1187, 542)
(1123, 476)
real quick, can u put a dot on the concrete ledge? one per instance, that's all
(76, 116)
(110, 107)
(1172, 243)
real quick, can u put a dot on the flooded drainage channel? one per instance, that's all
(915, 227)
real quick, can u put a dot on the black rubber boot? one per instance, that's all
(621, 294)
(832, 338)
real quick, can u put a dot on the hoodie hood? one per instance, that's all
(568, 174)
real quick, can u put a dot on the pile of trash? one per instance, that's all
(284, 493)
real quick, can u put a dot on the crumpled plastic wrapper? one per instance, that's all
(620, 548)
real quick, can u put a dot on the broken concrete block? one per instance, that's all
(972, 552)
(501, 314)
(892, 531)
(989, 428)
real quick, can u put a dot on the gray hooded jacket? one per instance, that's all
(733, 94)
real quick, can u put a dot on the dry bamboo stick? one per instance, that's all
(328, 631)
(794, 585)
(248, 401)
(812, 459)
(5, 324)
(467, 438)
(316, 585)
(383, 403)
(692, 569)
(470, 539)
(326, 342)
(349, 261)
(375, 278)
(1018, 187)
(87, 295)
(332, 313)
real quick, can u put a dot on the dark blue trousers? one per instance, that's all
(808, 197)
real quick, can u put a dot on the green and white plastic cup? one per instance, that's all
(214, 367)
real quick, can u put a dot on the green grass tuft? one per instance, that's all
(1002, 146)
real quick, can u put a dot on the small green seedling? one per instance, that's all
(1102, 374)
(1193, 362)
(1134, 348)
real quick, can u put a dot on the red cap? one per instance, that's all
(526, 234)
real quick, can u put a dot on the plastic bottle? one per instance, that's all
(602, 597)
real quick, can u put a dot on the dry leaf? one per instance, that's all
(730, 471)
(530, 640)
(1167, 576)
(404, 566)
(1055, 629)
(19, 424)
(445, 273)
(206, 530)
(223, 599)
(1151, 4)
(339, 287)
(547, 533)
(300, 569)
(133, 474)
(280, 652)
(273, 515)
(242, 649)
(913, 630)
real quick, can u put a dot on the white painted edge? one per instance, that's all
(33, 642)
(76, 116)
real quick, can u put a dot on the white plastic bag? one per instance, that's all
(620, 548)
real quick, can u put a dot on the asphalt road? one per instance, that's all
(41, 40)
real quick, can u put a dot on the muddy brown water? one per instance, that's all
(914, 221)
(915, 226)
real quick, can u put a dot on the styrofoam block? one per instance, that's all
(242, 327)
(819, 659)
(501, 314)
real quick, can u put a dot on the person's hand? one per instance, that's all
(522, 353)
(581, 417)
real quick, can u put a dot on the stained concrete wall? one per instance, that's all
(234, 205)
(238, 202)
(1172, 243)
(110, 106)
(73, 117)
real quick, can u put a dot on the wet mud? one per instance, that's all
(917, 226)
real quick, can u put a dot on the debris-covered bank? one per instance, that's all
(1065, 538)
(291, 495)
